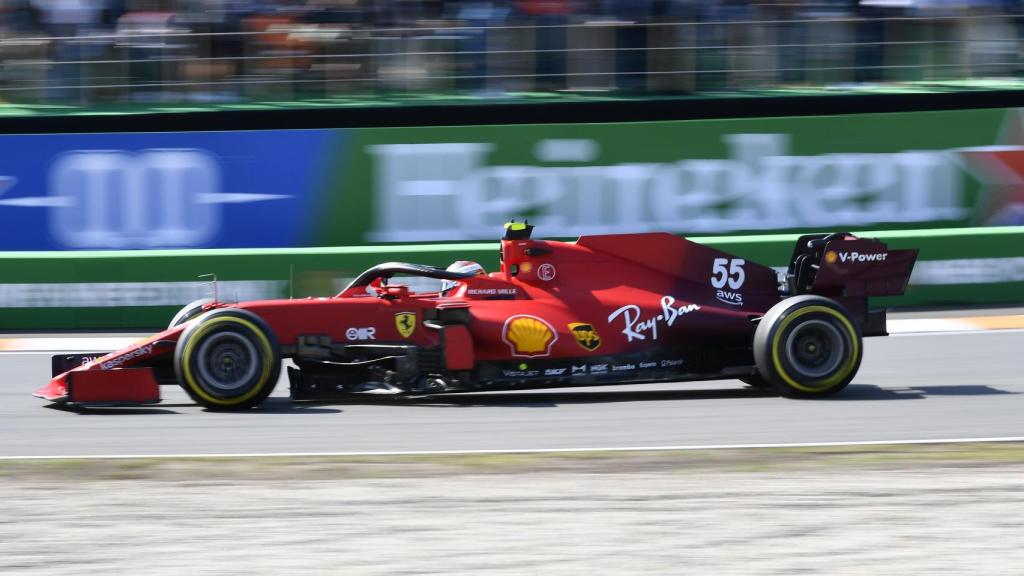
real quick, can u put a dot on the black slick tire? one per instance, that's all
(190, 311)
(807, 346)
(228, 360)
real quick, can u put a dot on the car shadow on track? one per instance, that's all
(279, 405)
(554, 398)
(550, 399)
(123, 410)
(270, 406)
(856, 392)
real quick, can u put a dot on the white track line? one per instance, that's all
(522, 450)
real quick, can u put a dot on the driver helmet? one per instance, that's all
(462, 266)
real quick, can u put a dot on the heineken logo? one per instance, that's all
(463, 190)
(451, 191)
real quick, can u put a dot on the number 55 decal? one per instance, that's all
(733, 275)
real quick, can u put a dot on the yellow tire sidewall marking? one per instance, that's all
(195, 337)
(835, 378)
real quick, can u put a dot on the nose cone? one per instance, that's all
(55, 391)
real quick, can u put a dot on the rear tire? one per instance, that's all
(228, 360)
(807, 346)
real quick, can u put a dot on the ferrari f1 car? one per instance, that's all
(613, 309)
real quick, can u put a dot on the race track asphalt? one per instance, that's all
(910, 387)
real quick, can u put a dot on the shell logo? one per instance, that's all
(830, 257)
(528, 336)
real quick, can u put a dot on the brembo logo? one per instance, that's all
(858, 257)
(131, 354)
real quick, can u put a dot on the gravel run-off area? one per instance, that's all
(933, 510)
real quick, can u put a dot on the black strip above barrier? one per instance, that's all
(638, 110)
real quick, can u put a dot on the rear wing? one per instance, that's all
(850, 269)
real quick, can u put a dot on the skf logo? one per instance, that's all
(858, 257)
(406, 323)
(369, 333)
(830, 257)
(528, 336)
(585, 335)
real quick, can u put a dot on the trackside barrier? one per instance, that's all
(143, 289)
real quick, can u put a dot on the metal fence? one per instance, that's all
(150, 58)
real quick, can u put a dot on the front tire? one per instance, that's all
(189, 311)
(807, 346)
(228, 360)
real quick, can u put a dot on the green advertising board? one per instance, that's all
(693, 177)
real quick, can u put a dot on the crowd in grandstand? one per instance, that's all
(56, 50)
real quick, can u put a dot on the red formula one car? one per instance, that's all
(604, 310)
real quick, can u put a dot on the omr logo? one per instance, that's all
(361, 333)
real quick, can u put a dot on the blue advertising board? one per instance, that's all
(163, 190)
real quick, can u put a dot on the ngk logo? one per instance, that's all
(858, 257)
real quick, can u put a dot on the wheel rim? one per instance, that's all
(815, 348)
(227, 362)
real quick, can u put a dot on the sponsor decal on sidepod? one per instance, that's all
(528, 336)
(637, 329)
(119, 360)
(367, 333)
(586, 336)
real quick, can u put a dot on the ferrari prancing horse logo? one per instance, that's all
(585, 335)
(406, 323)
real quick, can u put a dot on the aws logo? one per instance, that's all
(585, 336)
(728, 297)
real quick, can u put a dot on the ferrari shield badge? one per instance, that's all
(406, 323)
(585, 335)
